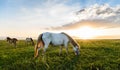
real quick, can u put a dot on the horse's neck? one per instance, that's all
(70, 39)
(31, 39)
(73, 42)
(28, 39)
(9, 38)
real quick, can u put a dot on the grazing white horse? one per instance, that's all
(60, 39)
(29, 40)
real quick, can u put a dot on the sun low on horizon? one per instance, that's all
(87, 32)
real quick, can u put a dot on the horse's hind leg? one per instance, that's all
(46, 44)
(60, 50)
(45, 48)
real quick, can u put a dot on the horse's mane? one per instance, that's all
(71, 39)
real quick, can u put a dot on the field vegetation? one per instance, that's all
(94, 55)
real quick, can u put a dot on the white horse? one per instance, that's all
(29, 41)
(60, 39)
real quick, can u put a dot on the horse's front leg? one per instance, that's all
(66, 50)
(15, 44)
(66, 47)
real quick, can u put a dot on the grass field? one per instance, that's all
(94, 55)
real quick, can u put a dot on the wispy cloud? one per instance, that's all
(44, 14)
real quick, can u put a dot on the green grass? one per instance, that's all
(94, 55)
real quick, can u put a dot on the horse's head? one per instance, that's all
(76, 49)
(8, 38)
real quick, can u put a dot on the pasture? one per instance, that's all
(94, 55)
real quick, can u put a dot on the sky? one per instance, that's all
(79, 18)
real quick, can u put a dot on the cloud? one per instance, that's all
(99, 12)
(102, 16)
(50, 13)
(93, 23)
(28, 19)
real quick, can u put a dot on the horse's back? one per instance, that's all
(55, 38)
(54, 35)
(29, 39)
(59, 36)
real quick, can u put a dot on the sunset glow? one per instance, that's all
(87, 32)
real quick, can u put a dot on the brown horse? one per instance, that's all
(8, 39)
(12, 41)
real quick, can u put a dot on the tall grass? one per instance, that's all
(94, 55)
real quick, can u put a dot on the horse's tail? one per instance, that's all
(72, 41)
(38, 45)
